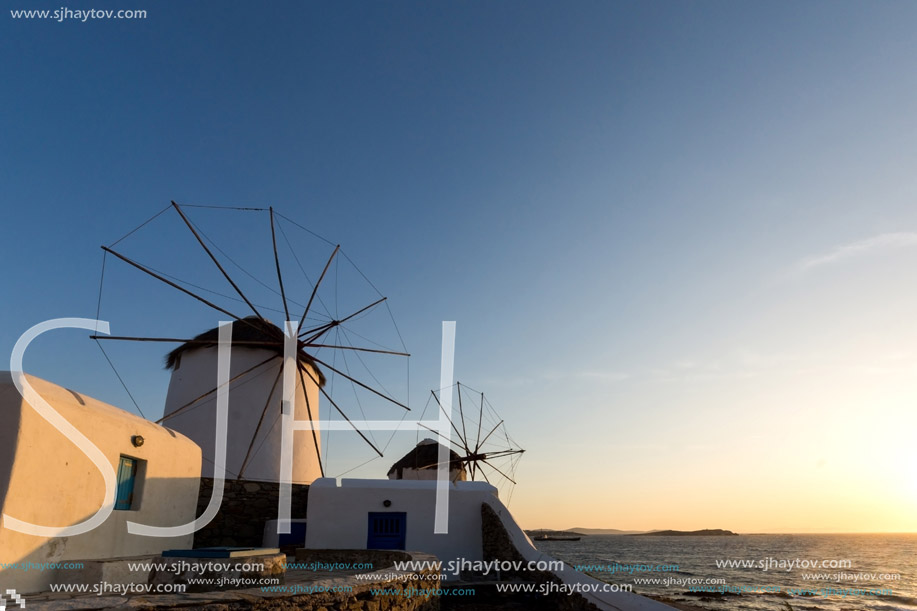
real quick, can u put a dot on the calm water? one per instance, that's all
(882, 555)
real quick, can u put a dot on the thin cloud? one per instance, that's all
(884, 241)
(589, 374)
(605, 376)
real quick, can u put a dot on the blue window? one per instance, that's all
(387, 530)
(127, 478)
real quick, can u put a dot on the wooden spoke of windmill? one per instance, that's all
(265, 334)
(487, 446)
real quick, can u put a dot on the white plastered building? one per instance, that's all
(255, 428)
(422, 463)
(46, 480)
(400, 514)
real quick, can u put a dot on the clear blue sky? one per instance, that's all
(678, 238)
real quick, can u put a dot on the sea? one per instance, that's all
(847, 572)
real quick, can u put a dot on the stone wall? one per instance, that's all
(218, 574)
(360, 598)
(497, 545)
(246, 507)
(407, 590)
(338, 590)
(379, 558)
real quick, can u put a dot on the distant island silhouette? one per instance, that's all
(707, 532)
(603, 531)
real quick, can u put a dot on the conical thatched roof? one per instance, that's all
(244, 332)
(426, 456)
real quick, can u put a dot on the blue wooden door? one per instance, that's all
(296, 536)
(387, 530)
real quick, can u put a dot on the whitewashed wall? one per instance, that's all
(46, 480)
(338, 514)
(455, 475)
(197, 374)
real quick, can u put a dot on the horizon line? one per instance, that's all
(637, 530)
